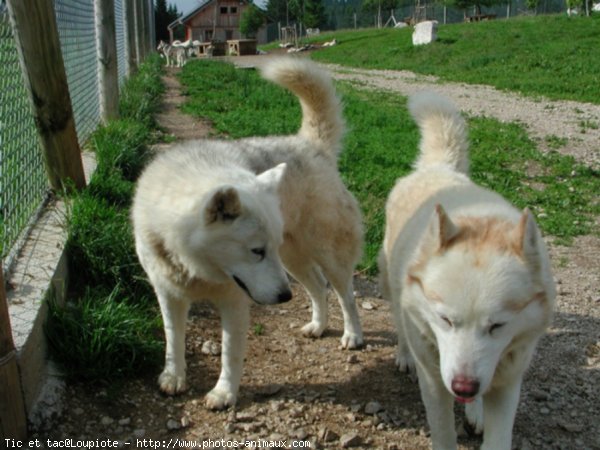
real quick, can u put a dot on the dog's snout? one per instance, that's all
(465, 387)
(284, 296)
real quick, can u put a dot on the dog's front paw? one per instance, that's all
(219, 399)
(313, 329)
(171, 383)
(405, 362)
(474, 413)
(351, 340)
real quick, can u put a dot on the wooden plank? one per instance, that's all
(13, 421)
(34, 26)
(108, 75)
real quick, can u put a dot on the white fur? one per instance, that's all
(470, 282)
(214, 220)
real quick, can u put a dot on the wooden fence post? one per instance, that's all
(13, 421)
(138, 20)
(107, 56)
(34, 25)
(130, 37)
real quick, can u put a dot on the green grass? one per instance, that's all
(552, 56)
(111, 325)
(382, 142)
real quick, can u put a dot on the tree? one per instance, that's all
(314, 14)
(251, 21)
(164, 15)
(282, 11)
(477, 4)
(378, 6)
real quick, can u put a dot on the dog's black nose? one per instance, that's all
(284, 296)
(465, 387)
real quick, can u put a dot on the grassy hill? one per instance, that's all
(554, 56)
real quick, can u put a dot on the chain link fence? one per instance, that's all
(24, 183)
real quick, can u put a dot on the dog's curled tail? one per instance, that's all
(443, 132)
(322, 119)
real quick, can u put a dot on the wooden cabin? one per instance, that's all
(215, 20)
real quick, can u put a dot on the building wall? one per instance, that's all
(226, 14)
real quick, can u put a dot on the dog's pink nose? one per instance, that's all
(465, 387)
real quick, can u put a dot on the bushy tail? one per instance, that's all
(322, 119)
(443, 132)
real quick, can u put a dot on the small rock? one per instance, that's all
(368, 306)
(139, 433)
(106, 420)
(327, 435)
(350, 440)
(373, 408)
(78, 411)
(352, 359)
(301, 434)
(173, 425)
(229, 427)
(211, 348)
(545, 411)
(571, 427)
(185, 422)
(244, 416)
(355, 407)
(125, 421)
(539, 395)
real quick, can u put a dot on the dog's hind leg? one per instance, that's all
(353, 336)
(235, 320)
(174, 313)
(314, 282)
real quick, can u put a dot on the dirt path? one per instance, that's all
(296, 388)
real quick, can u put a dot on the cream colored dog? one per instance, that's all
(215, 220)
(470, 282)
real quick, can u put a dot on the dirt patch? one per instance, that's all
(171, 120)
(296, 388)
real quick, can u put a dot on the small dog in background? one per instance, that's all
(470, 282)
(219, 220)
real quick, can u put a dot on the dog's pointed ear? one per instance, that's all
(272, 178)
(223, 206)
(526, 236)
(441, 228)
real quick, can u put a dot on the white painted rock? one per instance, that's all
(425, 32)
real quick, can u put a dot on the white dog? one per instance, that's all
(213, 218)
(470, 282)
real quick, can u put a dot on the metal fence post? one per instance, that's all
(107, 57)
(13, 421)
(40, 54)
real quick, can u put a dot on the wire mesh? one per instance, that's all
(23, 181)
(121, 36)
(77, 34)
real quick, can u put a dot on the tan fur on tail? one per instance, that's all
(322, 119)
(443, 132)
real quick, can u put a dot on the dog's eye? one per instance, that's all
(259, 252)
(495, 326)
(448, 321)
